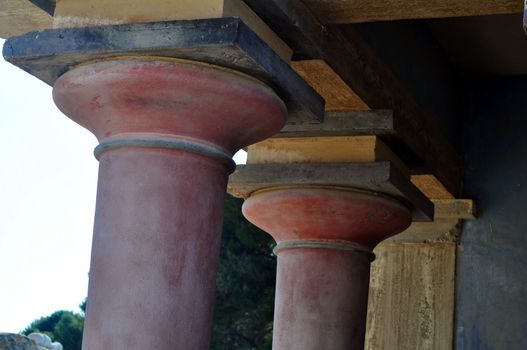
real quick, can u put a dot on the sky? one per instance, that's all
(48, 179)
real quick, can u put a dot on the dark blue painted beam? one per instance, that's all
(226, 42)
(46, 5)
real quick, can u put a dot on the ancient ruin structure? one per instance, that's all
(357, 117)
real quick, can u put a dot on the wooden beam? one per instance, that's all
(323, 149)
(22, 16)
(355, 11)
(337, 94)
(362, 69)
(431, 187)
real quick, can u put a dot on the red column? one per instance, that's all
(325, 238)
(167, 131)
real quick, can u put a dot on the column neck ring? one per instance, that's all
(167, 143)
(324, 244)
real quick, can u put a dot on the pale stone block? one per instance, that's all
(41, 339)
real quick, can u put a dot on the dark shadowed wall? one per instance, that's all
(492, 256)
(417, 60)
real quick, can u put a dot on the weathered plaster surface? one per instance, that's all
(411, 298)
(492, 260)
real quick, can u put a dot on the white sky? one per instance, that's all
(48, 179)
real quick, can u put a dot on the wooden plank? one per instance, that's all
(323, 149)
(226, 42)
(355, 11)
(21, 16)
(412, 296)
(431, 187)
(80, 13)
(380, 177)
(337, 94)
(362, 69)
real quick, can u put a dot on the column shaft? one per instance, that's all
(155, 250)
(321, 299)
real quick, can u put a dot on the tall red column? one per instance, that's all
(325, 238)
(167, 131)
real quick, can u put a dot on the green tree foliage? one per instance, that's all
(245, 285)
(82, 306)
(62, 326)
(243, 313)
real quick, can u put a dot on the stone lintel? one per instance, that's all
(226, 42)
(380, 177)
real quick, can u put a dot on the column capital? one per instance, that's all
(327, 214)
(225, 42)
(170, 104)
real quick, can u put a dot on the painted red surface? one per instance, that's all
(197, 101)
(327, 214)
(159, 211)
(321, 300)
(322, 293)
